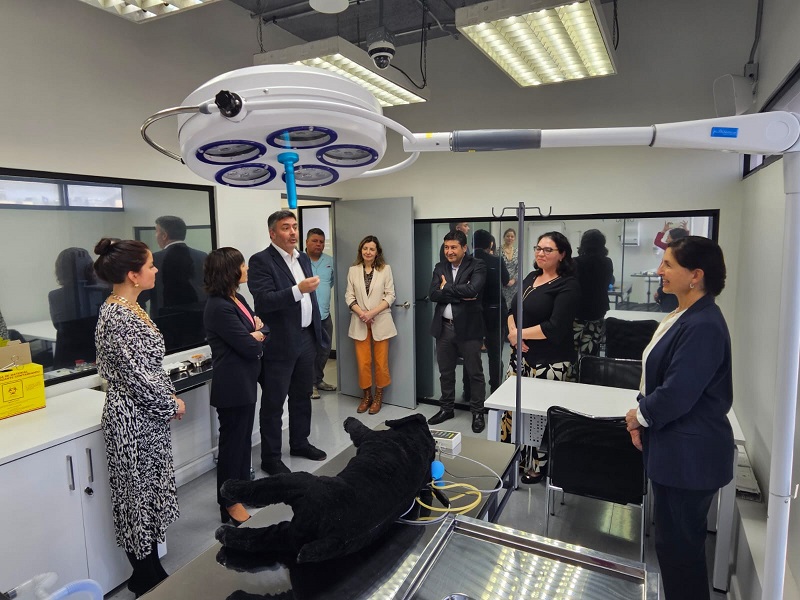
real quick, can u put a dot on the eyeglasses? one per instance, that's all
(537, 249)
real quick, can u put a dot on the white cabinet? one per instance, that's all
(56, 516)
(107, 562)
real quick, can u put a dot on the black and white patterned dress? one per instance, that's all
(136, 417)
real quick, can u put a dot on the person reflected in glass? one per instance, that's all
(550, 296)
(177, 302)
(668, 302)
(74, 308)
(681, 423)
(595, 273)
(510, 256)
(140, 403)
(236, 336)
(495, 310)
(369, 296)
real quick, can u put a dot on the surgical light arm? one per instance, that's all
(762, 133)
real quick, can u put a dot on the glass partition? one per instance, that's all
(634, 242)
(50, 296)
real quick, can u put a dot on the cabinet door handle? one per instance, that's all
(70, 473)
(91, 466)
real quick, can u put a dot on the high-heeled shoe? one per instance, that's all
(226, 517)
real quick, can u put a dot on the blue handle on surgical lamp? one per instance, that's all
(288, 159)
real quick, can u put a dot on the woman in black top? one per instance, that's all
(550, 296)
(595, 273)
(236, 336)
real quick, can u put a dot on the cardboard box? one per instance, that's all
(22, 385)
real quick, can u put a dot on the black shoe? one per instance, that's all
(441, 416)
(274, 466)
(532, 477)
(309, 452)
(478, 424)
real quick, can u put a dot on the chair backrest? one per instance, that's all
(594, 457)
(628, 339)
(610, 372)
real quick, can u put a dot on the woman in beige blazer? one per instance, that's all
(370, 295)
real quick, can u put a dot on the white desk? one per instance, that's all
(44, 330)
(635, 315)
(540, 394)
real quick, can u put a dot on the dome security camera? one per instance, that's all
(380, 47)
(381, 53)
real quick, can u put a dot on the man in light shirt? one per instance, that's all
(284, 291)
(322, 267)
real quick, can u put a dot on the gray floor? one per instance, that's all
(594, 524)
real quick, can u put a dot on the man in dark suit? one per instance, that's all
(283, 287)
(456, 289)
(178, 298)
(495, 311)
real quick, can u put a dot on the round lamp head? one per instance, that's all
(243, 149)
(330, 7)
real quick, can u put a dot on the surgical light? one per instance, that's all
(330, 7)
(540, 42)
(339, 56)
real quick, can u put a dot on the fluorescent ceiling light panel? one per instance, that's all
(142, 11)
(540, 42)
(339, 56)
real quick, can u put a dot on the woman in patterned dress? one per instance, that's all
(549, 299)
(140, 402)
(510, 255)
(595, 273)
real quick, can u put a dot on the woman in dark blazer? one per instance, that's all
(236, 336)
(681, 423)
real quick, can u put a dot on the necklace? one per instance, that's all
(533, 287)
(137, 310)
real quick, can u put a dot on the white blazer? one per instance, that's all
(381, 288)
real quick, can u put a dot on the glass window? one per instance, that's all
(29, 193)
(94, 196)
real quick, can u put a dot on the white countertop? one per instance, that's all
(44, 330)
(600, 401)
(64, 418)
(636, 315)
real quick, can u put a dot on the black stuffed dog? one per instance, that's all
(335, 516)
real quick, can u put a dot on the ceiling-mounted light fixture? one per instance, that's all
(330, 7)
(142, 11)
(540, 42)
(343, 58)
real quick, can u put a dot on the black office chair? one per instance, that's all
(610, 372)
(628, 339)
(594, 457)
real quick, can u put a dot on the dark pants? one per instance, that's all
(680, 519)
(494, 322)
(292, 376)
(448, 349)
(233, 458)
(322, 352)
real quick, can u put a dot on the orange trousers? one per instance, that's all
(364, 350)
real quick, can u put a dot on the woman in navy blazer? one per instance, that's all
(236, 336)
(681, 423)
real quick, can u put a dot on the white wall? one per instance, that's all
(81, 81)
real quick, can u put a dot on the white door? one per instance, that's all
(41, 517)
(108, 564)
(391, 220)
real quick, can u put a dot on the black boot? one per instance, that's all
(137, 582)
